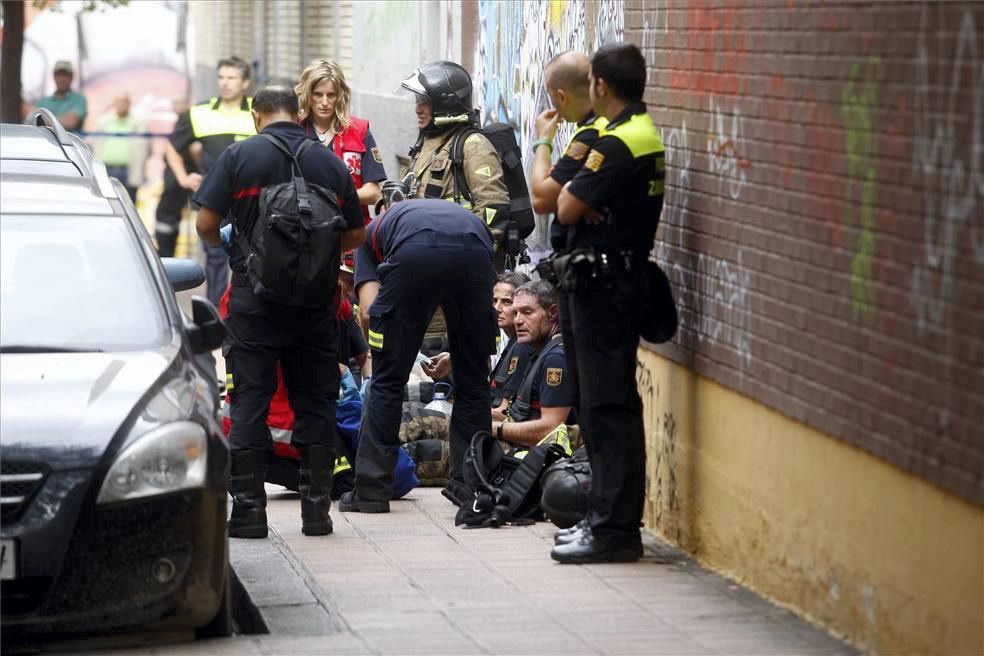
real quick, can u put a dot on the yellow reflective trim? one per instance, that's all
(656, 187)
(229, 384)
(341, 464)
(490, 215)
(485, 170)
(638, 134)
(559, 436)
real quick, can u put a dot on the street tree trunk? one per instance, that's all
(10, 69)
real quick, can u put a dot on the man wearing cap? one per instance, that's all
(68, 106)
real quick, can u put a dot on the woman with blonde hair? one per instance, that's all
(324, 99)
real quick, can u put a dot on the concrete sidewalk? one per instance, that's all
(410, 582)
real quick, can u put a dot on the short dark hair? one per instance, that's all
(514, 279)
(544, 292)
(269, 100)
(235, 62)
(623, 68)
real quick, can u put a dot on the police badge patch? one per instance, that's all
(512, 364)
(594, 161)
(576, 150)
(554, 376)
(376, 156)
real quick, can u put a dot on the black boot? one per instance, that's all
(248, 518)
(590, 547)
(314, 484)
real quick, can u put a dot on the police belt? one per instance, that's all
(594, 262)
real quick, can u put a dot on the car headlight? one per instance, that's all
(168, 458)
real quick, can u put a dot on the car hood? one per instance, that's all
(64, 409)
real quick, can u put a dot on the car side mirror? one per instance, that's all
(183, 274)
(208, 330)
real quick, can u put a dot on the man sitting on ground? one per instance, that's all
(508, 371)
(542, 407)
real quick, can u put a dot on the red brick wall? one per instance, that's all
(824, 225)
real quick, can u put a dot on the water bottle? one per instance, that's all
(440, 402)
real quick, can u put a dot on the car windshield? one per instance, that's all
(75, 284)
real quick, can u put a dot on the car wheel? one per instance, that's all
(222, 624)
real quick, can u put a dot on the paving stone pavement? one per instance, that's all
(410, 582)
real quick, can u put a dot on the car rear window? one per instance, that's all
(78, 283)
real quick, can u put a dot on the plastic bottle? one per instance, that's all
(440, 402)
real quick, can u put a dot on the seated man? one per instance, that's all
(543, 403)
(507, 373)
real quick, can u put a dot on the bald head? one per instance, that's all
(569, 71)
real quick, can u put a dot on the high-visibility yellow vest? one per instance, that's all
(209, 119)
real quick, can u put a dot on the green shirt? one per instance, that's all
(71, 102)
(115, 151)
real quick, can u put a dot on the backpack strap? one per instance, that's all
(519, 485)
(522, 404)
(300, 186)
(458, 164)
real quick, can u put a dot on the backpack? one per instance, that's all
(503, 139)
(506, 485)
(293, 247)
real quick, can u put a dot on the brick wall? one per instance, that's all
(824, 224)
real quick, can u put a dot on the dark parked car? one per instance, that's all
(114, 469)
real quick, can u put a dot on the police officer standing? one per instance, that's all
(418, 255)
(216, 124)
(613, 205)
(259, 333)
(442, 92)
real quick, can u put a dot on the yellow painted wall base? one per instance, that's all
(880, 556)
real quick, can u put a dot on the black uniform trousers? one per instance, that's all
(305, 342)
(428, 270)
(600, 322)
(167, 222)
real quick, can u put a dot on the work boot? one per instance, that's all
(314, 484)
(565, 535)
(249, 500)
(591, 547)
(351, 502)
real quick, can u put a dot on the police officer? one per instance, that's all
(303, 339)
(420, 254)
(566, 78)
(443, 95)
(613, 205)
(543, 403)
(216, 124)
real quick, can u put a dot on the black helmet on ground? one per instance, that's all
(565, 487)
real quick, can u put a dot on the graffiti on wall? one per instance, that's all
(712, 293)
(515, 40)
(947, 164)
(858, 104)
(661, 464)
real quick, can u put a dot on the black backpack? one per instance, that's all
(294, 246)
(503, 139)
(505, 486)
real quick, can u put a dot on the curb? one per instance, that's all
(275, 593)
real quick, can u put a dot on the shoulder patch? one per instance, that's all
(512, 364)
(474, 137)
(594, 161)
(485, 171)
(554, 376)
(576, 150)
(376, 156)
